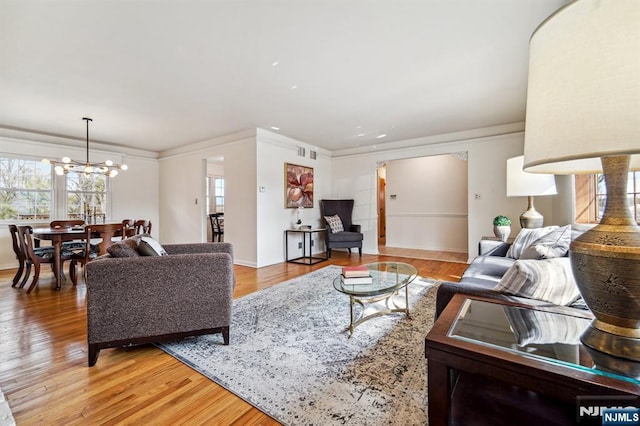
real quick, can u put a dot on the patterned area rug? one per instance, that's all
(290, 355)
(6, 418)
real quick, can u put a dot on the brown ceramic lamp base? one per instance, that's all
(606, 265)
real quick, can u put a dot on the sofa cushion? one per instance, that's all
(345, 236)
(125, 248)
(554, 244)
(487, 269)
(147, 246)
(335, 223)
(550, 280)
(525, 237)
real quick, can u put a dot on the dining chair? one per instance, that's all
(18, 252)
(217, 226)
(69, 223)
(107, 234)
(36, 257)
(142, 226)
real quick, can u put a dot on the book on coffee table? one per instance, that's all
(355, 271)
(357, 280)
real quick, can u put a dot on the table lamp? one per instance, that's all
(583, 116)
(523, 184)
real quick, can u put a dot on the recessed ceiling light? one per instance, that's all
(275, 64)
(295, 86)
(275, 128)
(360, 135)
(380, 136)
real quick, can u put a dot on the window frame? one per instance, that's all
(58, 194)
(590, 197)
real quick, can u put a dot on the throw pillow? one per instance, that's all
(147, 246)
(125, 248)
(335, 223)
(550, 280)
(524, 239)
(554, 244)
(537, 327)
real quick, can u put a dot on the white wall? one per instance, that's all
(355, 176)
(134, 193)
(426, 203)
(273, 218)
(254, 221)
(182, 182)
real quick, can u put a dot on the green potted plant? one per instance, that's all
(502, 227)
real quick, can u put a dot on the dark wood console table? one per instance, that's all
(494, 362)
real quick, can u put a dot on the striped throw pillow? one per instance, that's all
(550, 280)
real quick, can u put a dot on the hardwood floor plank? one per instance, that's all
(43, 358)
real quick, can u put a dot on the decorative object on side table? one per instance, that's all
(523, 184)
(502, 227)
(583, 105)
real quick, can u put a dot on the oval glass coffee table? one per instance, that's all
(388, 278)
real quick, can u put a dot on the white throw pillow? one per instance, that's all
(554, 244)
(335, 223)
(147, 246)
(550, 280)
(524, 239)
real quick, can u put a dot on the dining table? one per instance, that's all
(57, 236)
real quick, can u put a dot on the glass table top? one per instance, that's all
(387, 277)
(545, 336)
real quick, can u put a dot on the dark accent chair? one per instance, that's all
(352, 236)
(145, 299)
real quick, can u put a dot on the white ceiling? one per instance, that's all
(333, 73)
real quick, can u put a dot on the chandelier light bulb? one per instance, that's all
(59, 170)
(66, 160)
(108, 163)
(46, 161)
(124, 167)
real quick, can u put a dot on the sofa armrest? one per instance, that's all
(155, 295)
(192, 248)
(493, 248)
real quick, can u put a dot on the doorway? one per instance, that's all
(422, 207)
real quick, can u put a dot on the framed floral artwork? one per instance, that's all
(298, 186)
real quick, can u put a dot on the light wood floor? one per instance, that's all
(43, 359)
(445, 256)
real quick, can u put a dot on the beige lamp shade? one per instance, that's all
(583, 99)
(583, 116)
(524, 184)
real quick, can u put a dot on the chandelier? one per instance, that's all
(67, 165)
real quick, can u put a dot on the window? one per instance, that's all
(218, 186)
(86, 196)
(29, 190)
(25, 189)
(591, 197)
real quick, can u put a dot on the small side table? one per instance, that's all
(307, 257)
(504, 363)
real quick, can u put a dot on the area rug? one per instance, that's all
(6, 418)
(291, 356)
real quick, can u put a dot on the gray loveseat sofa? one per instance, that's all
(143, 299)
(487, 270)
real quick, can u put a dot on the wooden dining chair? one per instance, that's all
(142, 226)
(37, 257)
(18, 252)
(67, 223)
(217, 226)
(107, 234)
